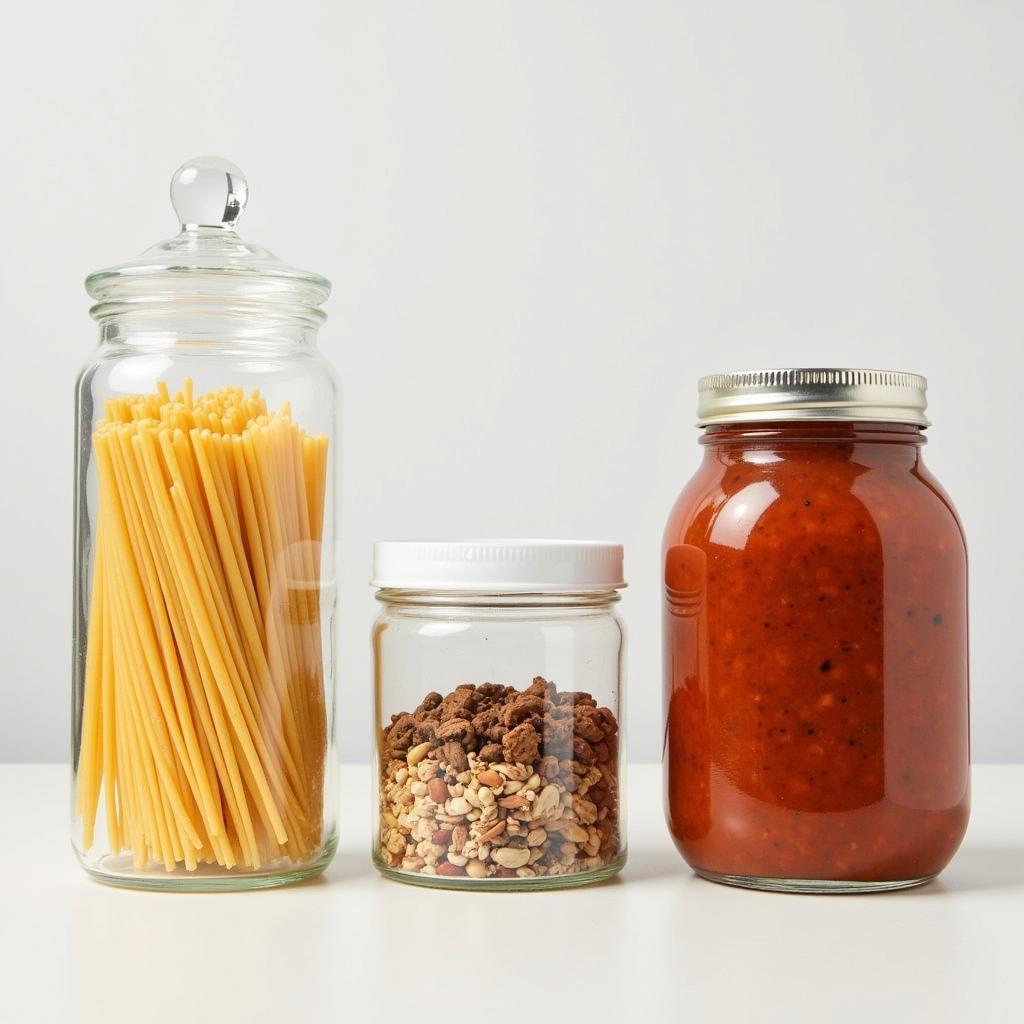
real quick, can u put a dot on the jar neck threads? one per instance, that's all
(185, 328)
(812, 431)
(454, 599)
(896, 446)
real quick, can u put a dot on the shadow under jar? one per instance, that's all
(204, 593)
(498, 713)
(815, 639)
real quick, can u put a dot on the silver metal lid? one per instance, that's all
(886, 396)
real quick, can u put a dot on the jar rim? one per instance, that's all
(247, 309)
(496, 599)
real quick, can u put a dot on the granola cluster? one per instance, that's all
(495, 782)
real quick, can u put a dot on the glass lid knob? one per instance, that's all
(208, 192)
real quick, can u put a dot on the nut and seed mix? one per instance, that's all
(494, 782)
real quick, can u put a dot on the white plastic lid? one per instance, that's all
(498, 566)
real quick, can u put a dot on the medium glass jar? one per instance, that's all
(204, 591)
(498, 713)
(815, 634)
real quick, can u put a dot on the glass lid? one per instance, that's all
(207, 263)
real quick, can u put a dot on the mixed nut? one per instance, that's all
(494, 782)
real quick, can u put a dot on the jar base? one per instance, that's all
(209, 880)
(813, 886)
(539, 882)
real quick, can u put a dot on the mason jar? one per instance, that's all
(816, 661)
(498, 713)
(204, 589)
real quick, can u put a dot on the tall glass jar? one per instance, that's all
(204, 591)
(498, 713)
(815, 639)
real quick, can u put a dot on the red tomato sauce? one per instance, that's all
(816, 657)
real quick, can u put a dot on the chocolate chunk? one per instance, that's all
(460, 703)
(612, 743)
(431, 701)
(400, 734)
(558, 733)
(524, 708)
(425, 732)
(521, 744)
(582, 751)
(493, 691)
(540, 687)
(609, 722)
(589, 724)
(484, 721)
(454, 756)
(460, 729)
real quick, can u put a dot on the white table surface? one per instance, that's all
(656, 945)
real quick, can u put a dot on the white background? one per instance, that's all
(543, 222)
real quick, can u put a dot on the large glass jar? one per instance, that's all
(815, 635)
(204, 591)
(498, 713)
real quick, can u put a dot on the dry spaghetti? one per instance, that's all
(204, 722)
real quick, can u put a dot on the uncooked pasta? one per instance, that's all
(203, 728)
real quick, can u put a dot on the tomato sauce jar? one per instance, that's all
(815, 639)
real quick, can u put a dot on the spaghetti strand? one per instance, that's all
(204, 729)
